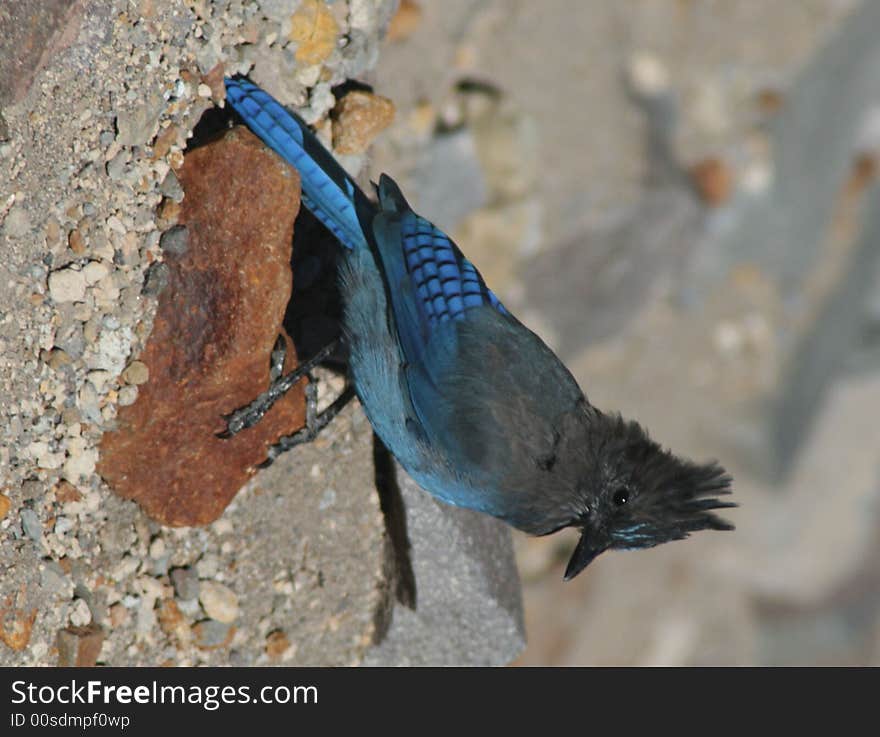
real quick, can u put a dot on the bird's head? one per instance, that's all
(638, 495)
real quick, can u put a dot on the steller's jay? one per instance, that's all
(476, 408)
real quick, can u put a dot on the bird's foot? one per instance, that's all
(252, 413)
(315, 422)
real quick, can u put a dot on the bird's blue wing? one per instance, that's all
(327, 190)
(431, 283)
(447, 285)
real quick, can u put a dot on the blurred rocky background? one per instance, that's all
(678, 196)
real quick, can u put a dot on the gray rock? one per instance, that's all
(54, 581)
(30, 524)
(156, 279)
(116, 165)
(69, 338)
(175, 240)
(468, 609)
(31, 489)
(210, 633)
(171, 188)
(186, 583)
(80, 614)
(207, 57)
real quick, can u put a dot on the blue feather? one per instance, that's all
(327, 191)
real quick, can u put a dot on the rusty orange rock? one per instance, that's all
(80, 647)
(173, 623)
(17, 616)
(277, 644)
(65, 492)
(229, 282)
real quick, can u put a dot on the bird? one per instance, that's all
(475, 407)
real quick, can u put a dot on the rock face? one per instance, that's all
(29, 30)
(229, 282)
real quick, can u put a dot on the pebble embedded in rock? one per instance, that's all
(67, 285)
(81, 460)
(175, 240)
(127, 396)
(171, 188)
(79, 646)
(156, 279)
(76, 242)
(5, 504)
(94, 271)
(65, 493)
(186, 583)
(113, 348)
(314, 29)
(277, 644)
(80, 614)
(136, 124)
(157, 548)
(99, 379)
(358, 118)
(211, 635)
(173, 622)
(116, 165)
(57, 359)
(70, 338)
(30, 524)
(136, 373)
(16, 624)
(54, 581)
(218, 601)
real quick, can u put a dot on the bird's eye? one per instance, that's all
(621, 497)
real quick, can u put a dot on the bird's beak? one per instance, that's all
(588, 547)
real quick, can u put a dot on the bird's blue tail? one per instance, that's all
(327, 190)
